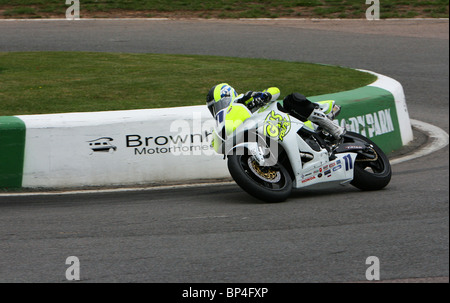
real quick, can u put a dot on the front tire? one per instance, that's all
(267, 183)
(370, 174)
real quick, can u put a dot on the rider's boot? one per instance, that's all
(335, 111)
(319, 117)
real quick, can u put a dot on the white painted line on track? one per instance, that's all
(115, 190)
(438, 139)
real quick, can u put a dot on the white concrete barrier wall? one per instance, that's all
(119, 148)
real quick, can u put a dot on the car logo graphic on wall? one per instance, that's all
(102, 144)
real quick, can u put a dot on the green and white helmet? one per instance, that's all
(219, 97)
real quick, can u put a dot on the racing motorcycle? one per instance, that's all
(270, 152)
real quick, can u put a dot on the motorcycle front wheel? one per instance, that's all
(267, 183)
(372, 169)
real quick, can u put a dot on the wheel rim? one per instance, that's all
(373, 166)
(268, 174)
(270, 177)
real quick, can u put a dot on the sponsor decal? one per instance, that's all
(370, 125)
(139, 144)
(306, 175)
(178, 144)
(308, 179)
(102, 144)
(353, 147)
(276, 125)
(337, 168)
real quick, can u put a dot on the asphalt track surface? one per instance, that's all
(218, 233)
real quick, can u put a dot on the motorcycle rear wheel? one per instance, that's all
(370, 174)
(269, 184)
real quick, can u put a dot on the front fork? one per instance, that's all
(256, 151)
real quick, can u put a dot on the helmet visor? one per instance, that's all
(216, 106)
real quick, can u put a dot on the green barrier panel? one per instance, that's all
(12, 149)
(369, 111)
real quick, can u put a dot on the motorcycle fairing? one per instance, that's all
(337, 171)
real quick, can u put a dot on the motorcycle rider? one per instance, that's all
(220, 96)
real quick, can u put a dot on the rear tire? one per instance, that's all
(370, 174)
(270, 184)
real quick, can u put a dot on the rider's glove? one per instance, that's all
(254, 103)
(256, 99)
(262, 97)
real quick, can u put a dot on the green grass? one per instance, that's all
(58, 82)
(226, 8)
